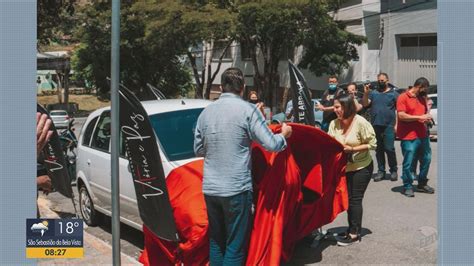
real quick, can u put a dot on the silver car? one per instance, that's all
(173, 122)
(61, 118)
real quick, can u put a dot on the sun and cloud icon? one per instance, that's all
(40, 227)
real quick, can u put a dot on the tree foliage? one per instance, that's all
(142, 60)
(180, 25)
(53, 19)
(160, 37)
(276, 27)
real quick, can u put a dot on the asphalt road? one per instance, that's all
(396, 229)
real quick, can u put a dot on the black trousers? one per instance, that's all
(357, 182)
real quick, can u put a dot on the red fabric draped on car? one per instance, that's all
(296, 191)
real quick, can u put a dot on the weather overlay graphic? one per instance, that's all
(54, 238)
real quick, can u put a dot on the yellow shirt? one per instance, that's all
(361, 132)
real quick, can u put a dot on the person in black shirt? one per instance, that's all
(383, 110)
(327, 102)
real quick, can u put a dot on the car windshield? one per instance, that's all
(175, 130)
(58, 113)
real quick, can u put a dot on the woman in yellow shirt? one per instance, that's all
(358, 137)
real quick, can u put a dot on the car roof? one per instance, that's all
(164, 106)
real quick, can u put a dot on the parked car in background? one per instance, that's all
(318, 115)
(61, 119)
(434, 113)
(173, 121)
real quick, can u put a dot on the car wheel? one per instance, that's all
(86, 206)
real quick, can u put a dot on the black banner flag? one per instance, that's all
(55, 161)
(145, 165)
(303, 107)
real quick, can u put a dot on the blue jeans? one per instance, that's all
(230, 220)
(385, 145)
(416, 159)
(412, 149)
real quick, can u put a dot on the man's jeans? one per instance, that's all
(230, 220)
(385, 145)
(410, 150)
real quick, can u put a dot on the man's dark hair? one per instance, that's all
(348, 105)
(421, 82)
(232, 80)
(333, 77)
(383, 74)
(352, 83)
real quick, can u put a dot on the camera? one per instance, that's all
(373, 85)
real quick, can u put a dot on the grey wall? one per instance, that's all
(416, 21)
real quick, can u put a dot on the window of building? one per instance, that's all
(417, 41)
(219, 47)
(246, 51)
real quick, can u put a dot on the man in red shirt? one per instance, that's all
(412, 130)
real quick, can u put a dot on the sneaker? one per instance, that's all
(393, 176)
(425, 189)
(348, 240)
(340, 236)
(409, 192)
(379, 176)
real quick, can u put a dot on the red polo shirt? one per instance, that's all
(412, 105)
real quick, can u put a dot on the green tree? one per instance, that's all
(53, 19)
(275, 28)
(142, 61)
(191, 28)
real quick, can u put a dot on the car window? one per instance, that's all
(435, 102)
(101, 137)
(86, 140)
(58, 113)
(175, 131)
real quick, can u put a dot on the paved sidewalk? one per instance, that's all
(96, 251)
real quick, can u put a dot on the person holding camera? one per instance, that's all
(327, 102)
(352, 90)
(382, 102)
(413, 118)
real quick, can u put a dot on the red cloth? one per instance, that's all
(297, 191)
(189, 209)
(411, 105)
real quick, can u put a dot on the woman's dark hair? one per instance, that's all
(347, 103)
(252, 93)
(232, 80)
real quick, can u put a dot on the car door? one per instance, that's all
(99, 162)
(128, 199)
